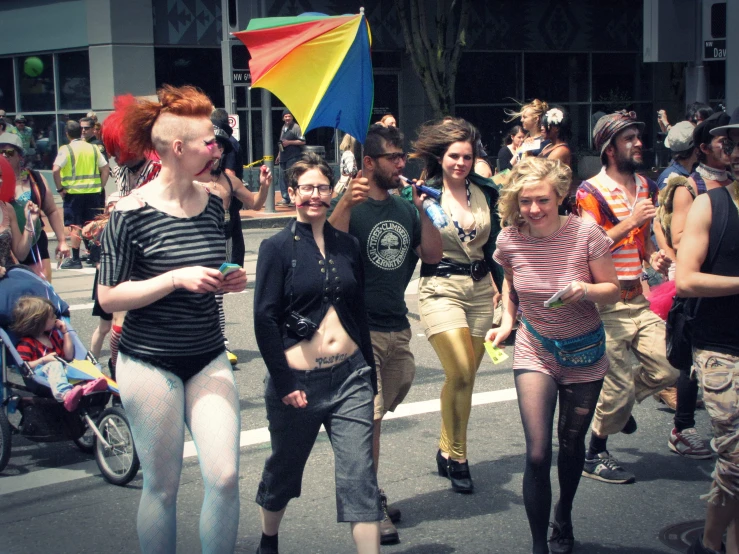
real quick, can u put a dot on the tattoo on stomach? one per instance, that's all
(330, 360)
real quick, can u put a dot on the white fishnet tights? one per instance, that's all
(158, 407)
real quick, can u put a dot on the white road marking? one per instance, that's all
(48, 477)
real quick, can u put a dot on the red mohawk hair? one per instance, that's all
(113, 132)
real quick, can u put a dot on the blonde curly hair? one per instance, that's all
(531, 171)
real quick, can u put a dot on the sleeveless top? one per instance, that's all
(715, 326)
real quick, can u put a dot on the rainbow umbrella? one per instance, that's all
(318, 65)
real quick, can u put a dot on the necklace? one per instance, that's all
(711, 173)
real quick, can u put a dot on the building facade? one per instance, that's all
(583, 55)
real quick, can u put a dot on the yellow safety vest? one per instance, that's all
(81, 174)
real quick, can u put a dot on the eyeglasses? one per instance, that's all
(728, 146)
(9, 153)
(307, 190)
(393, 157)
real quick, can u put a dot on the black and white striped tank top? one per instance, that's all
(144, 242)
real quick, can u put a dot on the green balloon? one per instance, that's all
(33, 66)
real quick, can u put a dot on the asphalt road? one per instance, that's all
(52, 499)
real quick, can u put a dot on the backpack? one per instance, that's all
(666, 202)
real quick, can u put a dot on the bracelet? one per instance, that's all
(585, 286)
(30, 229)
(174, 287)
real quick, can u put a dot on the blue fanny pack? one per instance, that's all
(579, 351)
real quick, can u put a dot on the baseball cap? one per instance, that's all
(13, 140)
(724, 130)
(610, 125)
(680, 137)
(20, 117)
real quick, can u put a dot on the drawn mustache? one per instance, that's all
(306, 204)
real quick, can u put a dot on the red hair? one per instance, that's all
(113, 131)
(7, 190)
(140, 116)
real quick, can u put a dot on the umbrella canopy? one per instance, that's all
(319, 66)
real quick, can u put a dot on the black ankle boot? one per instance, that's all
(457, 472)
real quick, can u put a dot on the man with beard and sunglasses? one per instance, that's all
(392, 237)
(623, 203)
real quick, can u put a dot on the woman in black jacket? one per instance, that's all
(311, 328)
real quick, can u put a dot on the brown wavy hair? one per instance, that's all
(435, 139)
(30, 315)
(140, 116)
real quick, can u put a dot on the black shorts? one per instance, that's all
(97, 309)
(43, 249)
(82, 208)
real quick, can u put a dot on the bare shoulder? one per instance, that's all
(133, 201)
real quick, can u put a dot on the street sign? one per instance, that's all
(714, 50)
(242, 77)
(233, 121)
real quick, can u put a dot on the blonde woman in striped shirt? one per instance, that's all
(542, 253)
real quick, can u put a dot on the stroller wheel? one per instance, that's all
(118, 462)
(4, 439)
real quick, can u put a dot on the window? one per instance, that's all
(74, 80)
(36, 83)
(556, 78)
(7, 85)
(619, 79)
(200, 67)
(477, 87)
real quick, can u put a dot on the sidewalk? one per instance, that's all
(251, 219)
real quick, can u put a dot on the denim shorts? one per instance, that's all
(340, 398)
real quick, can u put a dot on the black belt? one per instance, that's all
(445, 268)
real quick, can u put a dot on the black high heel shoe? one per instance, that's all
(457, 472)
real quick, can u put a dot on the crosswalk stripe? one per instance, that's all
(55, 476)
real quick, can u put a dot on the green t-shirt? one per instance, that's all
(389, 231)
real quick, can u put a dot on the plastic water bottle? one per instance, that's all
(435, 213)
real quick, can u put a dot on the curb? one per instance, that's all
(275, 222)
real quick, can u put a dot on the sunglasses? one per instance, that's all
(728, 146)
(85, 128)
(9, 153)
(394, 157)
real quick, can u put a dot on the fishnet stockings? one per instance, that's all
(158, 407)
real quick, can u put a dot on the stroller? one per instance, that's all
(93, 426)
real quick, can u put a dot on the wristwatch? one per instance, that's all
(60, 190)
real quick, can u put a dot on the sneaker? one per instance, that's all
(668, 397)
(561, 540)
(69, 263)
(231, 357)
(689, 444)
(604, 467)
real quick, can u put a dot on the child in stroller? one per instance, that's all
(44, 340)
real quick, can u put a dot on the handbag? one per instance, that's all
(680, 318)
(580, 351)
